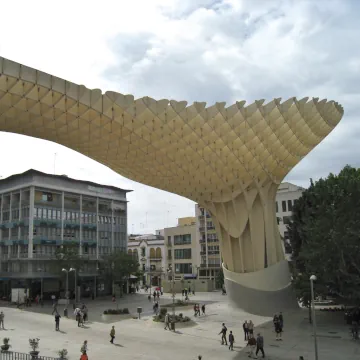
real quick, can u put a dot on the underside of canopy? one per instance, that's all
(229, 159)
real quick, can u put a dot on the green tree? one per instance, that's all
(119, 266)
(325, 237)
(67, 256)
(220, 279)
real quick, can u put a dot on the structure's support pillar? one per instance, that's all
(62, 216)
(80, 229)
(97, 228)
(31, 222)
(254, 263)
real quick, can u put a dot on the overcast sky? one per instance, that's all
(203, 50)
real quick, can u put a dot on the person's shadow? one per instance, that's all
(62, 332)
(118, 345)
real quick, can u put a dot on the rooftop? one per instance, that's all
(60, 177)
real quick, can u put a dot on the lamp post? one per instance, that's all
(312, 279)
(66, 289)
(171, 271)
(41, 286)
(76, 297)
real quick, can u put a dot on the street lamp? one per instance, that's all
(67, 290)
(312, 279)
(41, 286)
(171, 271)
(76, 297)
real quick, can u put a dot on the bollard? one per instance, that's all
(65, 312)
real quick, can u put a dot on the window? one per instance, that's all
(169, 254)
(169, 240)
(46, 197)
(286, 235)
(143, 252)
(183, 268)
(290, 205)
(278, 220)
(276, 206)
(182, 239)
(182, 254)
(283, 204)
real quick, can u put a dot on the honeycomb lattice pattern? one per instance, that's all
(208, 154)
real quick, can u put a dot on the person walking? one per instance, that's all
(278, 330)
(2, 318)
(57, 321)
(84, 347)
(246, 330)
(260, 345)
(55, 305)
(203, 309)
(167, 322)
(112, 334)
(281, 319)
(252, 344)
(223, 334)
(251, 329)
(231, 341)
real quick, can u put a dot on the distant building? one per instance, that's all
(286, 197)
(150, 251)
(209, 246)
(40, 213)
(182, 249)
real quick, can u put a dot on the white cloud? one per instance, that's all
(202, 50)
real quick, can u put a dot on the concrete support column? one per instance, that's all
(62, 216)
(20, 215)
(10, 219)
(112, 225)
(97, 228)
(80, 229)
(1, 220)
(31, 222)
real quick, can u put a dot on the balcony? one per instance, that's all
(169, 244)
(44, 256)
(203, 265)
(211, 227)
(202, 241)
(202, 252)
(202, 228)
(155, 259)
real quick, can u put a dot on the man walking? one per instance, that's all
(260, 345)
(203, 309)
(57, 321)
(55, 308)
(231, 341)
(167, 322)
(2, 317)
(223, 334)
(112, 334)
(246, 330)
(252, 344)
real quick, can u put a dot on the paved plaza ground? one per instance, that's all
(147, 340)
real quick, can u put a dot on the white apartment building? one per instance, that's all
(286, 197)
(150, 251)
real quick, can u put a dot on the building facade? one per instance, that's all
(149, 250)
(182, 253)
(41, 213)
(209, 246)
(286, 197)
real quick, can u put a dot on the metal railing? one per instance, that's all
(12, 355)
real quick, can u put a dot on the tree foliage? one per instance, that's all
(120, 265)
(67, 256)
(325, 237)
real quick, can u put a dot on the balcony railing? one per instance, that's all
(155, 258)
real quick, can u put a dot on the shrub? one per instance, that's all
(163, 311)
(117, 311)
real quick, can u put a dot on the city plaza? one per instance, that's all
(147, 340)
